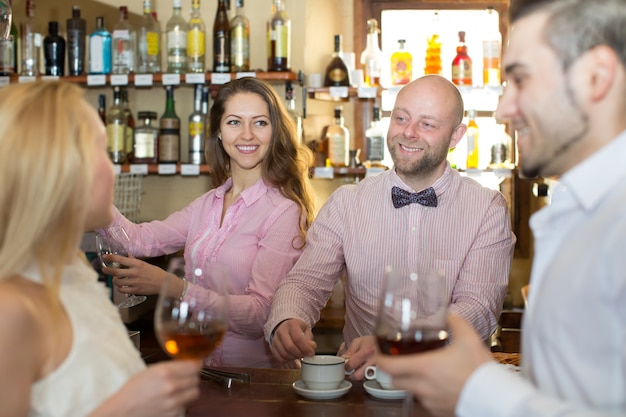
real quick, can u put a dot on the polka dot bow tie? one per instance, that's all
(401, 198)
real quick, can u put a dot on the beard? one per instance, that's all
(429, 162)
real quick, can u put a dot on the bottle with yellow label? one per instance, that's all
(148, 42)
(472, 141)
(401, 65)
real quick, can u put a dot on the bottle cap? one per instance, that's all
(53, 28)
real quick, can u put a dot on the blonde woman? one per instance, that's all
(64, 350)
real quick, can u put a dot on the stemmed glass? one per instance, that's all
(189, 328)
(411, 313)
(114, 241)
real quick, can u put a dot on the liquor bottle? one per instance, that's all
(102, 108)
(146, 139)
(76, 33)
(375, 141)
(123, 44)
(196, 128)
(100, 49)
(401, 65)
(433, 49)
(148, 42)
(221, 39)
(492, 45)
(54, 51)
(30, 42)
(196, 39)
(462, 64)
(207, 119)
(372, 56)
(472, 140)
(336, 71)
(116, 129)
(8, 46)
(338, 141)
(176, 40)
(169, 130)
(278, 38)
(501, 149)
(239, 40)
(296, 116)
(130, 124)
(6, 17)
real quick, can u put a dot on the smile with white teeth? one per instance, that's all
(406, 148)
(247, 148)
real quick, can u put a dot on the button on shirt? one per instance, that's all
(255, 241)
(574, 330)
(358, 232)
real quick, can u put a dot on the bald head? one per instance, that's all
(440, 88)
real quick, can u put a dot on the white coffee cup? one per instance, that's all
(382, 377)
(323, 372)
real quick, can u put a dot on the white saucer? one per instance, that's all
(374, 389)
(330, 394)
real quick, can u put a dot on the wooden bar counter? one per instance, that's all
(270, 394)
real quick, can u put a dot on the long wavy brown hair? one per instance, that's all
(286, 165)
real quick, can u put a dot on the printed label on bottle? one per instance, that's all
(168, 147)
(123, 34)
(240, 47)
(176, 39)
(96, 55)
(337, 150)
(152, 42)
(337, 75)
(6, 56)
(128, 140)
(196, 128)
(282, 41)
(144, 145)
(195, 43)
(115, 137)
(375, 148)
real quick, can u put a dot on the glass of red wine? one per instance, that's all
(191, 328)
(412, 313)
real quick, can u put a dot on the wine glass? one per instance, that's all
(412, 313)
(115, 240)
(188, 328)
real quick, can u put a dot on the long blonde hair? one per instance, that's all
(46, 150)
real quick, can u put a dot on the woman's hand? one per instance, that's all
(137, 276)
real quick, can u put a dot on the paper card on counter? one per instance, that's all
(190, 169)
(167, 169)
(139, 169)
(324, 172)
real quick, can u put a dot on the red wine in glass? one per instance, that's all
(412, 341)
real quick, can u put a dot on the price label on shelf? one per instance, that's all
(119, 79)
(117, 168)
(96, 79)
(369, 172)
(143, 80)
(167, 169)
(195, 78)
(367, 92)
(339, 92)
(324, 172)
(245, 74)
(219, 78)
(50, 77)
(4, 81)
(139, 169)
(26, 79)
(190, 169)
(171, 79)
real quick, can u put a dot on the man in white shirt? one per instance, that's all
(566, 98)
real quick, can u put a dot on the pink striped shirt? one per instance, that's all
(254, 242)
(358, 232)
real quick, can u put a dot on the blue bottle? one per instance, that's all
(100, 49)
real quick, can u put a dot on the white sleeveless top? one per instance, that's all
(102, 357)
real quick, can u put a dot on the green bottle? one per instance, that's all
(169, 131)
